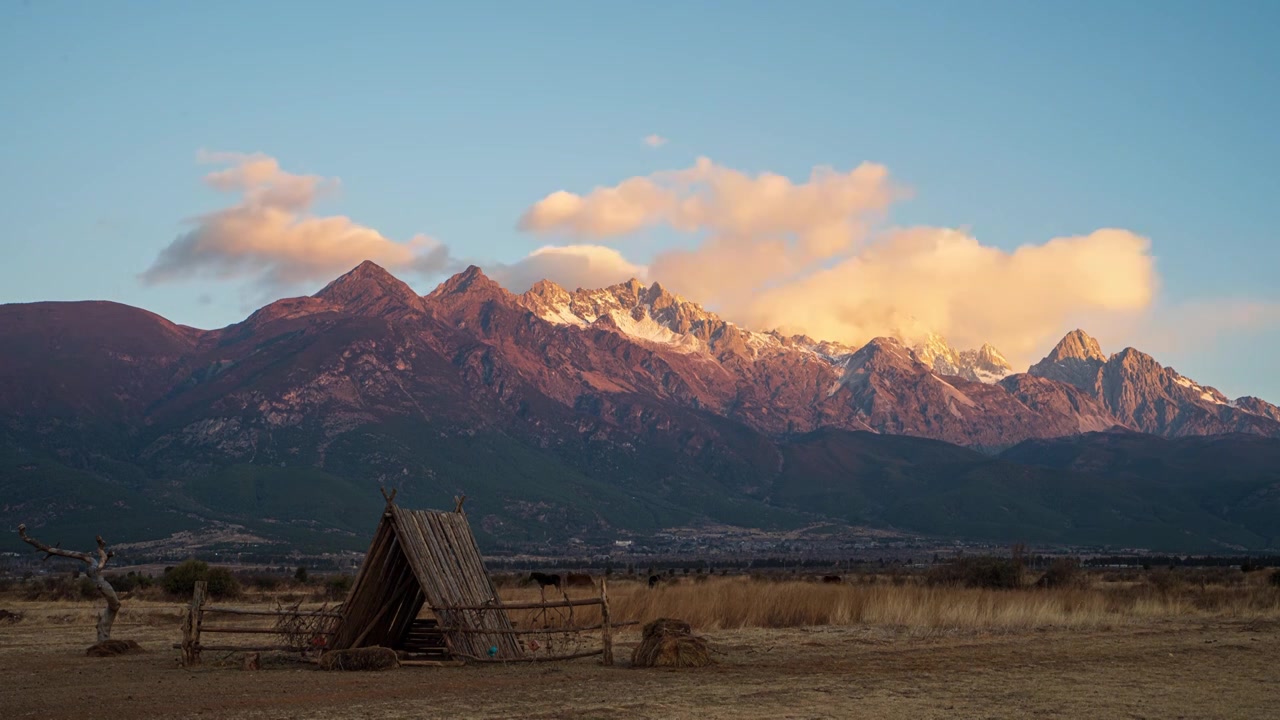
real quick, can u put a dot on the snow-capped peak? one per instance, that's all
(985, 364)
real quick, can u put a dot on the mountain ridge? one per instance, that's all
(642, 404)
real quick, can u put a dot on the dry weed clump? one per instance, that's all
(667, 642)
(111, 648)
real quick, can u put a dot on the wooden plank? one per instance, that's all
(255, 631)
(606, 632)
(574, 602)
(271, 613)
(191, 625)
(244, 648)
(432, 663)
(535, 658)
(546, 631)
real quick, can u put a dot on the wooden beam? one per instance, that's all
(270, 613)
(432, 663)
(578, 602)
(606, 632)
(258, 631)
(191, 625)
(540, 631)
(534, 658)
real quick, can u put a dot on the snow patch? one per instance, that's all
(648, 329)
(560, 315)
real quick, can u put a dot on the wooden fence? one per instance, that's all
(466, 625)
(312, 630)
(296, 630)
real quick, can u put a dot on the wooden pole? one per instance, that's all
(606, 632)
(191, 625)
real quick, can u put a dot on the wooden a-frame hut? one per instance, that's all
(426, 558)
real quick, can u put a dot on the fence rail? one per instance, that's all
(193, 627)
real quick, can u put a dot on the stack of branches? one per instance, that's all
(365, 658)
(670, 643)
(304, 630)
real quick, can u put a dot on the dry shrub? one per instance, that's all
(111, 648)
(670, 643)
(9, 617)
(1165, 581)
(995, 573)
(365, 658)
(1063, 573)
(304, 629)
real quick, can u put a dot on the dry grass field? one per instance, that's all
(872, 648)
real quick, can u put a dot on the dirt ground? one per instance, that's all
(1162, 669)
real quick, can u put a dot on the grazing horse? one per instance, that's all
(832, 579)
(579, 580)
(543, 580)
(654, 580)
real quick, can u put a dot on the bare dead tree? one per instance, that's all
(94, 564)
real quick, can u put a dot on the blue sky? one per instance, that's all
(1018, 122)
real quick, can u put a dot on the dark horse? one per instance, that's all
(544, 580)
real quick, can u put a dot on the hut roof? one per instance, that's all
(425, 558)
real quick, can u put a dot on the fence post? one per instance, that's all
(191, 625)
(606, 632)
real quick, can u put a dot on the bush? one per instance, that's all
(1164, 580)
(222, 584)
(978, 572)
(1063, 572)
(338, 586)
(301, 574)
(181, 580)
(1275, 578)
(129, 583)
(262, 581)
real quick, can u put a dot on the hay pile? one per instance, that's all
(110, 648)
(365, 658)
(670, 643)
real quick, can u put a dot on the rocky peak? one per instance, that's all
(1258, 406)
(1076, 360)
(1078, 345)
(471, 280)
(369, 289)
(467, 288)
(938, 354)
(983, 365)
(546, 291)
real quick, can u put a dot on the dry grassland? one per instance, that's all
(783, 649)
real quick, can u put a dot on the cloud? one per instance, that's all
(810, 256)
(570, 266)
(933, 279)
(1191, 325)
(270, 237)
(655, 141)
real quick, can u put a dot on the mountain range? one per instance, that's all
(596, 413)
